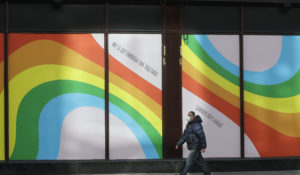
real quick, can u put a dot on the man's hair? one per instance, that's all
(192, 112)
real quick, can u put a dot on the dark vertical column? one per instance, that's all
(242, 139)
(106, 83)
(172, 120)
(6, 107)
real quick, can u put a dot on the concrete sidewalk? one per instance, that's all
(296, 172)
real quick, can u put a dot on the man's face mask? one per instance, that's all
(188, 119)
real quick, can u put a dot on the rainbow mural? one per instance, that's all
(210, 91)
(57, 104)
(271, 106)
(272, 118)
(135, 86)
(51, 75)
(2, 156)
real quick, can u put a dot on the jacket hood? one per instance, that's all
(197, 119)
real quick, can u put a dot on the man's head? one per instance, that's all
(191, 115)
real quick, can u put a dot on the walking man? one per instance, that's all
(194, 136)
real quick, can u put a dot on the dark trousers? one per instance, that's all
(195, 156)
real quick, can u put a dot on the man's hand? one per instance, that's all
(203, 150)
(176, 147)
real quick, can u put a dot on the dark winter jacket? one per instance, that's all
(193, 135)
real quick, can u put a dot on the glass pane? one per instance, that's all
(134, 17)
(57, 96)
(135, 96)
(210, 18)
(69, 17)
(272, 84)
(210, 88)
(271, 19)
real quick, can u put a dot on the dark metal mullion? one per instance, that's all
(171, 87)
(242, 119)
(6, 99)
(106, 68)
(163, 26)
(181, 33)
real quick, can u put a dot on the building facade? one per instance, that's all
(86, 80)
